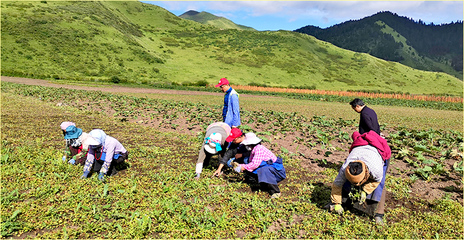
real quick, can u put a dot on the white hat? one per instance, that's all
(213, 143)
(90, 141)
(251, 139)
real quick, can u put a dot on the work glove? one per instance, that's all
(72, 161)
(238, 169)
(84, 175)
(101, 177)
(229, 163)
(63, 158)
(338, 209)
(363, 197)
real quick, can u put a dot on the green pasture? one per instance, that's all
(43, 197)
(129, 41)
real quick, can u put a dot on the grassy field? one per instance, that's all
(43, 197)
(129, 41)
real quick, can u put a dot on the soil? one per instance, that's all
(420, 190)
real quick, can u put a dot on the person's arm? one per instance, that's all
(89, 162)
(217, 173)
(109, 147)
(336, 193)
(370, 187)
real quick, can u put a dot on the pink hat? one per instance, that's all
(65, 125)
(223, 81)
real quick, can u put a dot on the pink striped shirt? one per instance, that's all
(258, 154)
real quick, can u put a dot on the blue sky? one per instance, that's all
(291, 15)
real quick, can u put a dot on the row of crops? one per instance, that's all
(426, 151)
(42, 197)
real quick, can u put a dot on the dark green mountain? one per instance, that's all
(129, 41)
(391, 37)
(208, 18)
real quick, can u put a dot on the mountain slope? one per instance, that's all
(141, 43)
(208, 18)
(391, 37)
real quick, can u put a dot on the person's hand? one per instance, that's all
(363, 197)
(217, 173)
(101, 177)
(84, 175)
(197, 176)
(72, 161)
(338, 209)
(63, 158)
(235, 164)
(238, 155)
(238, 169)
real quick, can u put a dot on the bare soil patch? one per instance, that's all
(420, 190)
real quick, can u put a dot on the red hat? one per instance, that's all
(234, 133)
(223, 81)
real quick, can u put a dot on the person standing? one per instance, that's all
(231, 110)
(368, 119)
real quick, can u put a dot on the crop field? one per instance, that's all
(157, 197)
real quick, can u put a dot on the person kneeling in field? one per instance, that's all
(365, 168)
(213, 144)
(75, 149)
(105, 154)
(264, 164)
(235, 152)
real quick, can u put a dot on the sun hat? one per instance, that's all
(357, 174)
(223, 81)
(72, 132)
(213, 143)
(89, 141)
(98, 135)
(65, 125)
(234, 133)
(251, 139)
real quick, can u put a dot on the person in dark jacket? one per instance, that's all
(368, 119)
(235, 152)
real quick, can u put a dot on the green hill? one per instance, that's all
(391, 37)
(142, 43)
(208, 18)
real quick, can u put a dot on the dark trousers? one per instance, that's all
(270, 188)
(113, 169)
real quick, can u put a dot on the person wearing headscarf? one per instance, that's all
(214, 143)
(365, 167)
(268, 168)
(105, 152)
(75, 150)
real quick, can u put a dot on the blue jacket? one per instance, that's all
(231, 111)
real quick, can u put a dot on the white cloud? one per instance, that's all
(321, 12)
